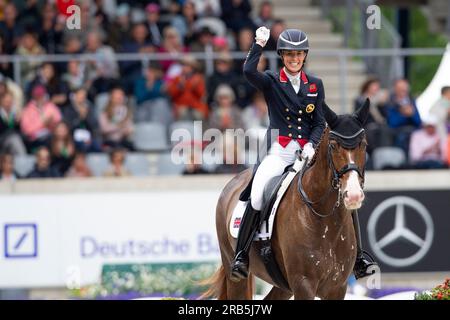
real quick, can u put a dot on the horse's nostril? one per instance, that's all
(353, 196)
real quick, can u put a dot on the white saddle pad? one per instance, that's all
(265, 231)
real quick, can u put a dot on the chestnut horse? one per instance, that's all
(313, 236)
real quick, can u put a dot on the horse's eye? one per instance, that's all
(333, 146)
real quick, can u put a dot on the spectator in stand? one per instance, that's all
(377, 131)
(100, 16)
(75, 77)
(57, 89)
(154, 24)
(236, 14)
(5, 67)
(40, 116)
(225, 114)
(244, 42)
(29, 46)
(29, 14)
(83, 122)
(42, 168)
(62, 148)
(441, 110)
(72, 45)
(233, 157)
(88, 24)
(171, 43)
(193, 161)
(402, 114)
(6, 84)
(203, 40)
(130, 70)
(10, 137)
(79, 167)
(187, 29)
(245, 39)
(120, 29)
(150, 93)
(265, 15)
(173, 10)
(3, 4)
(116, 122)
(223, 74)
(207, 8)
(255, 119)
(117, 164)
(220, 44)
(427, 150)
(10, 29)
(184, 22)
(7, 172)
(188, 92)
(278, 26)
(255, 115)
(51, 29)
(103, 70)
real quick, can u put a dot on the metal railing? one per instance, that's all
(343, 56)
(350, 17)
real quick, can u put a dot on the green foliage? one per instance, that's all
(421, 68)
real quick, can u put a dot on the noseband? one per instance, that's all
(349, 142)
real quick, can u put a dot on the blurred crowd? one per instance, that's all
(63, 110)
(398, 138)
(60, 112)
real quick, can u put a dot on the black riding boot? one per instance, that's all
(249, 224)
(362, 265)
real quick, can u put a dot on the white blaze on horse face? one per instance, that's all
(353, 193)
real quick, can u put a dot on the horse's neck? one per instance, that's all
(318, 185)
(318, 179)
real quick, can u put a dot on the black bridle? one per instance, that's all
(349, 142)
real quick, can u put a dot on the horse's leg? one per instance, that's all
(304, 289)
(278, 294)
(336, 294)
(241, 290)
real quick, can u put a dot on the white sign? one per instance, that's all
(49, 240)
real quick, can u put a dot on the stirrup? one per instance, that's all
(239, 267)
(362, 265)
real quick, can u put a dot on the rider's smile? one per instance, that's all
(293, 61)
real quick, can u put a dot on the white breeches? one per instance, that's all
(272, 165)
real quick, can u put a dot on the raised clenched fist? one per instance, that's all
(262, 35)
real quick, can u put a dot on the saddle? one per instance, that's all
(271, 190)
(272, 196)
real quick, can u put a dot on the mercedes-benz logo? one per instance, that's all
(400, 230)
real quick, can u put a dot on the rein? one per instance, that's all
(336, 174)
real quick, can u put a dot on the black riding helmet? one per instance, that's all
(292, 39)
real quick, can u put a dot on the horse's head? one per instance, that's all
(347, 153)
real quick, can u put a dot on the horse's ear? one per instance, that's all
(363, 112)
(330, 116)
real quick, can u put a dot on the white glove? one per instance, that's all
(308, 151)
(262, 35)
